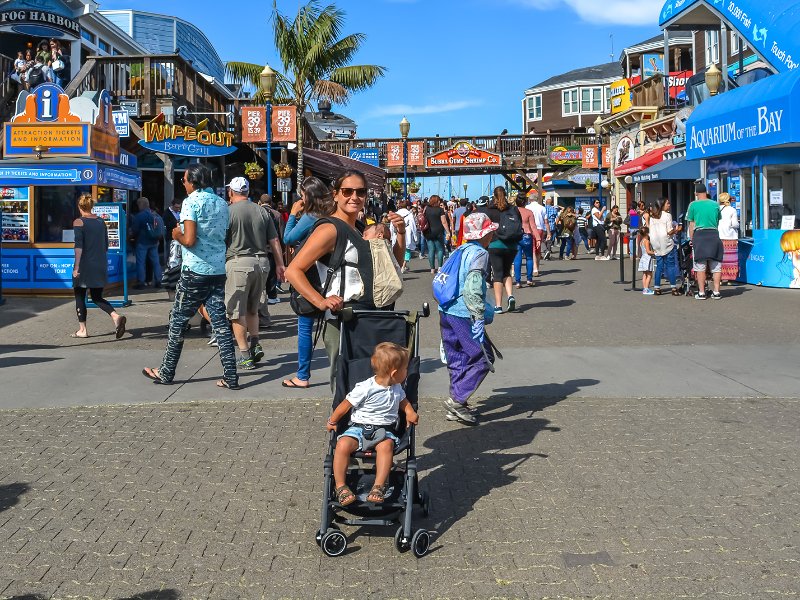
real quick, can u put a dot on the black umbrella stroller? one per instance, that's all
(361, 331)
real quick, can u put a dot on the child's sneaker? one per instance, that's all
(648, 292)
(498, 310)
(456, 411)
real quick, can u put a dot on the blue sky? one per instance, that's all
(454, 66)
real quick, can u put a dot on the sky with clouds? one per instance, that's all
(454, 66)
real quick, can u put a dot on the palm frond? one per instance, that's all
(243, 73)
(324, 89)
(357, 78)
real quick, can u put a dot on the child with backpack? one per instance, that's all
(460, 289)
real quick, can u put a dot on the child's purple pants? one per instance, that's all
(466, 362)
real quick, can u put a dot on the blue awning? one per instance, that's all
(676, 169)
(760, 115)
(771, 28)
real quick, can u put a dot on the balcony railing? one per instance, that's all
(155, 81)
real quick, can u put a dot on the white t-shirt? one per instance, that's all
(660, 240)
(353, 285)
(728, 224)
(375, 404)
(598, 217)
(539, 215)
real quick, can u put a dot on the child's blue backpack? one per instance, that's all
(445, 283)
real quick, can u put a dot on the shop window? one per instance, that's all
(88, 36)
(56, 209)
(534, 107)
(570, 101)
(783, 183)
(737, 44)
(104, 46)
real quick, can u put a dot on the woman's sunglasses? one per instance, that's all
(348, 191)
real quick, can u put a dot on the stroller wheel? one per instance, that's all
(425, 502)
(333, 543)
(401, 544)
(318, 537)
(420, 543)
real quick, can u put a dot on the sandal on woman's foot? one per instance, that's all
(290, 383)
(344, 495)
(231, 386)
(154, 376)
(657, 291)
(676, 292)
(376, 494)
(76, 335)
(119, 330)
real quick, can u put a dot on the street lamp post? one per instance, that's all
(599, 141)
(466, 185)
(269, 80)
(405, 126)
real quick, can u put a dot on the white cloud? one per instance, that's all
(398, 110)
(620, 12)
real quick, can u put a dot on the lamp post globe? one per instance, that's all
(405, 126)
(269, 81)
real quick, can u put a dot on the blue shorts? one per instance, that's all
(357, 433)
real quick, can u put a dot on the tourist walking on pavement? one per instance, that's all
(729, 234)
(250, 233)
(147, 229)
(503, 247)
(411, 232)
(581, 233)
(436, 231)
(540, 218)
(646, 261)
(316, 201)
(201, 233)
(458, 218)
(464, 317)
(613, 225)
(661, 231)
(598, 225)
(551, 214)
(272, 286)
(525, 247)
(567, 222)
(703, 216)
(90, 271)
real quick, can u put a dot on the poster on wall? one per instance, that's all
(15, 208)
(110, 214)
(735, 190)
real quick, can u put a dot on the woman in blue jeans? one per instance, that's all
(436, 232)
(316, 201)
(525, 245)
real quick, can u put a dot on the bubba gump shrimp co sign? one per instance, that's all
(462, 154)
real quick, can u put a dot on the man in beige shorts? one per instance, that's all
(250, 233)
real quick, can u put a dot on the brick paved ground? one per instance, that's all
(555, 495)
(559, 499)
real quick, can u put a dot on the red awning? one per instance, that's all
(645, 161)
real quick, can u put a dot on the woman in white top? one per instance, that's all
(729, 234)
(411, 231)
(349, 195)
(661, 231)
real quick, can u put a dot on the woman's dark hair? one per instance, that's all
(319, 199)
(434, 201)
(199, 176)
(349, 173)
(520, 201)
(656, 208)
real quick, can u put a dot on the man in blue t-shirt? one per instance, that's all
(144, 232)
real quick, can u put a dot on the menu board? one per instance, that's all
(110, 214)
(15, 208)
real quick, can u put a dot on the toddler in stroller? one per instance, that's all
(377, 377)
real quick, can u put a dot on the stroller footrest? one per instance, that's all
(378, 522)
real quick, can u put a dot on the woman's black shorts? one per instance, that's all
(501, 262)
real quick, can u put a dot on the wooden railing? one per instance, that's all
(155, 81)
(517, 151)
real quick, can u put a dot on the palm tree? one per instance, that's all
(316, 63)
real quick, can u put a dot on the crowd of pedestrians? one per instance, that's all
(46, 63)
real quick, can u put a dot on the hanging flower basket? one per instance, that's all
(396, 185)
(413, 187)
(591, 186)
(283, 170)
(253, 171)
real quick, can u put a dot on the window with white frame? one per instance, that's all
(737, 43)
(608, 98)
(712, 47)
(535, 107)
(591, 100)
(570, 102)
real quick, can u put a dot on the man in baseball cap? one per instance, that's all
(239, 185)
(463, 319)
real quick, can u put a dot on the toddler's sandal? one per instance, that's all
(345, 496)
(376, 494)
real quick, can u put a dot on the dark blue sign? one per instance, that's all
(184, 148)
(68, 174)
(119, 178)
(371, 156)
(16, 268)
(126, 159)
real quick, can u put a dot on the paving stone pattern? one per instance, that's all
(569, 498)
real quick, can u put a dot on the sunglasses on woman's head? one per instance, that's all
(348, 191)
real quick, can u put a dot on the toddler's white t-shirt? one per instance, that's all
(375, 404)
